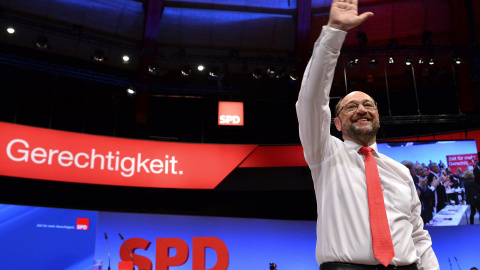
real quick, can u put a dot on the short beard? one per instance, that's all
(354, 132)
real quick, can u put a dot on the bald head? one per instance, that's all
(347, 98)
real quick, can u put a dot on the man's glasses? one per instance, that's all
(353, 107)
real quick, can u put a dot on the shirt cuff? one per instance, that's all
(332, 37)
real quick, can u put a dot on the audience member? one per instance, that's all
(472, 194)
(476, 172)
(440, 193)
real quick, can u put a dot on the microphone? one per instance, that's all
(108, 250)
(121, 237)
(457, 263)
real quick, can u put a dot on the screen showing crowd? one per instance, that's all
(444, 176)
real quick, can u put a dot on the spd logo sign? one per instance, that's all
(230, 113)
(82, 224)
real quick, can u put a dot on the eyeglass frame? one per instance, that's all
(358, 106)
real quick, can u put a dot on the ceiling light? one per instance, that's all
(41, 42)
(126, 58)
(373, 61)
(431, 62)
(390, 60)
(458, 61)
(213, 73)
(98, 55)
(257, 73)
(293, 75)
(201, 67)
(11, 30)
(153, 69)
(271, 72)
(408, 61)
(353, 62)
(186, 71)
(131, 91)
(420, 61)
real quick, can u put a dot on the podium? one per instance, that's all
(125, 265)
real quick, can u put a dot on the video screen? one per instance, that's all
(443, 174)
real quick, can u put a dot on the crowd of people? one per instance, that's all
(435, 182)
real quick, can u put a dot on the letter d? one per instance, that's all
(198, 254)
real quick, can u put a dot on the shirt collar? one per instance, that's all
(355, 146)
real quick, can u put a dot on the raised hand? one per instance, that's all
(344, 15)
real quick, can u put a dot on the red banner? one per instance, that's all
(461, 161)
(38, 153)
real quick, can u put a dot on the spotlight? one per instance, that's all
(458, 61)
(431, 62)
(201, 67)
(390, 60)
(186, 71)
(41, 42)
(271, 72)
(420, 61)
(131, 91)
(153, 69)
(213, 73)
(126, 58)
(293, 75)
(373, 61)
(98, 56)
(408, 61)
(11, 30)
(353, 62)
(257, 73)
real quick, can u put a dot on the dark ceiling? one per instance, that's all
(63, 87)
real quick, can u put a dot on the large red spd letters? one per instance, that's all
(162, 257)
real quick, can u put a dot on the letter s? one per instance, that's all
(222, 119)
(140, 261)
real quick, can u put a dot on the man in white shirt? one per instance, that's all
(344, 239)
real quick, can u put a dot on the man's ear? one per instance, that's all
(338, 125)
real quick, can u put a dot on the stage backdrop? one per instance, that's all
(50, 238)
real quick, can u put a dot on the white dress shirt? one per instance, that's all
(338, 172)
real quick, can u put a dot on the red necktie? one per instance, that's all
(381, 238)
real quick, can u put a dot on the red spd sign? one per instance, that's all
(230, 113)
(163, 260)
(82, 224)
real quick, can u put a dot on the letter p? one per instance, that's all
(163, 260)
